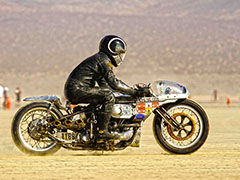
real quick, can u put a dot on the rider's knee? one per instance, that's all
(108, 94)
(110, 98)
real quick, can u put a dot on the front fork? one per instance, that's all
(167, 118)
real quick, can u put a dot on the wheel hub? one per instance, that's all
(186, 127)
(36, 130)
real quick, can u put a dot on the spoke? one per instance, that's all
(26, 117)
(189, 123)
(24, 131)
(47, 141)
(182, 119)
(39, 145)
(186, 131)
(181, 143)
(35, 143)
(24, 123)
(179, 134)
(29, 139)
(42, 144)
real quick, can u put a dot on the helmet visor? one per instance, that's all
(117, 46)
(119, 58)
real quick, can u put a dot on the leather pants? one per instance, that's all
(95, 95)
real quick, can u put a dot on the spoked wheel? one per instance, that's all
(29, 132)
(192, 132)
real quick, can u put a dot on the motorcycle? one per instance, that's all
(180, 125)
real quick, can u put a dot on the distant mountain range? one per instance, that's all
(188, 41)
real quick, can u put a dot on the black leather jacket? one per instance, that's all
(96, 69)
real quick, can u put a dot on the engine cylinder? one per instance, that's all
(116, 110)
(122, 111)
(126, 135)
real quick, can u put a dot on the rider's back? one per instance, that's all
(88, 72)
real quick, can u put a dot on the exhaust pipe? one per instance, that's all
(68, 122)
(57, 123)
(125, 136)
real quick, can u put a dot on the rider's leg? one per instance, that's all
(97, 95)
(106, 116)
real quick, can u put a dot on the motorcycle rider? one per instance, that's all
(81, 86)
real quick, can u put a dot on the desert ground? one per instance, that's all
(218, 158)
(194, 43)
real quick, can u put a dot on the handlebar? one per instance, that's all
(145, 86)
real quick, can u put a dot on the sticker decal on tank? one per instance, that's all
(140, 116)
(147, 107)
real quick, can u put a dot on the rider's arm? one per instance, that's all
(103, 83)
(118, 85)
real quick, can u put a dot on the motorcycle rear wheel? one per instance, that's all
(34, 143)
(194, 128)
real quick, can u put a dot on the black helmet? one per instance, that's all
(114, 47)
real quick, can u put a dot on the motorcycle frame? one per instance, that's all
(159, 110)
(162, 100)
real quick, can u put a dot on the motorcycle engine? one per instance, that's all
(123, 111)
(71, 136)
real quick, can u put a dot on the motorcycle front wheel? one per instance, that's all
(193, 131)
(26, 126)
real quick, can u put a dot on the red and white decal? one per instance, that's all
(147, 107)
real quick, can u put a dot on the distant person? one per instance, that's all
(5, 97)
(18, 93)
(215, 95)
(1, 95)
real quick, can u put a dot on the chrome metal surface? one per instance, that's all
(40, 98)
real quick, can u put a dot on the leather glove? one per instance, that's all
(142, 92)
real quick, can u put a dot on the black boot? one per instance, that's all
(103, 127)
